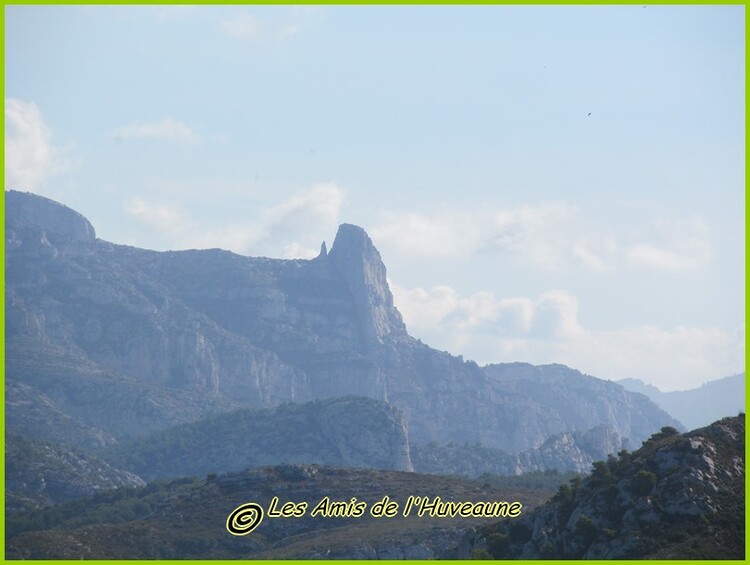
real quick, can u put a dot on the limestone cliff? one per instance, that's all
(116, 341)
(360, 265)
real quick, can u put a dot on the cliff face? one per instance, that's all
(359, 263)
(115, 341)
(55, 223)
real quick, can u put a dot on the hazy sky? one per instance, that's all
(545, 184)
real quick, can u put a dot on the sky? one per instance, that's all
(545, 184)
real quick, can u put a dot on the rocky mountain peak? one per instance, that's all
(358, 261)
(57, 222)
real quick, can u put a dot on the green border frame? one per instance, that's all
(337, 2)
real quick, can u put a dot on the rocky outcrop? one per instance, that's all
(360, 265)
(573, 451)
(55, 223)
(677, 497)
(345, 432)
(40, 474)
(566, 452)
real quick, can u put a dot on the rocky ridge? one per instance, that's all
(565, 452)
(343, 432)
(680, 496)
(39, 474)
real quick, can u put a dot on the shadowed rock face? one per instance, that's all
(120, 341)
(344, 432)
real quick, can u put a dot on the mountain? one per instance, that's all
(565, 452)
(39, 474)
(680, 496)
(185, 519)
(344, 432)
(698, 406)
(106, 342)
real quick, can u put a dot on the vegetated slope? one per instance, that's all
(345, 432)
(566, 452)
(106, 341)
(186, 518)
(680, 496)
(40, 474)
(698, 406)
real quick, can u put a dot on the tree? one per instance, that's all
(642, 483)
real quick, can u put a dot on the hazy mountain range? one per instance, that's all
(698, 406)
(107, 341)
(125, 365)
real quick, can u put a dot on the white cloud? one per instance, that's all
(245, 26)
(549, 236)
(30, 156)
(679, 244)
(168, 129)
(443, 236)
(160, 216)
(293, 228)
(319, 206)
(241, 239)
(296, 251)
(547, 330)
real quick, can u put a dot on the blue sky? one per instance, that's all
(545, 184)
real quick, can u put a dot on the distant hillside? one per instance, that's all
(677, 497)
(698, 406)
(565, 452)
(345, 432)
(185, 519)
(39, 474)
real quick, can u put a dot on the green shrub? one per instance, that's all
(480, 554)
(586, 530)
(498, 545)
(642, 483)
